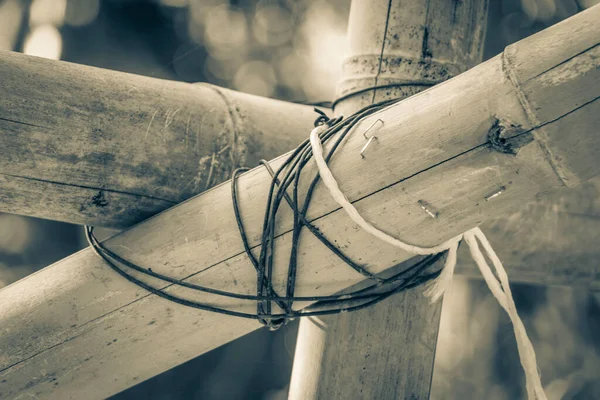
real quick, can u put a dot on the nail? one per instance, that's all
(427, 210)
(362, 151)
(498, 193)
(371, 127)
(369, 139)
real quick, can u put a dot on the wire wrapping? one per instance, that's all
(287, 175)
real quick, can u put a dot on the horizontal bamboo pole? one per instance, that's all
(98, 147)
(78, 330)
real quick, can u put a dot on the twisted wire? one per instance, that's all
(286, 177)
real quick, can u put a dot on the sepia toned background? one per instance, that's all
(293, 50)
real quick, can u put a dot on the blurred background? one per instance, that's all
(292, 50)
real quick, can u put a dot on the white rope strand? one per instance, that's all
(526, 351)
(340, 198)
(438, 287)
(498, 286)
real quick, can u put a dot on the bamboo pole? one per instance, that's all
(104, 148)
(387, 351)
(79, 330)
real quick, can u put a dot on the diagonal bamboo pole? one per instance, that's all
(79, 330)
(387, 351)
(104, 148)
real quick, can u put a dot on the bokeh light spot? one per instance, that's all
(588, 3)
(256, 77)
(10, 21)
(174, 3)
(225, 43)
(44, 41)
(14, 233)
(44, 12)
(82, 12)
(272, 25)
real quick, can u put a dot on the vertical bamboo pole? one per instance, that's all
(399, 47)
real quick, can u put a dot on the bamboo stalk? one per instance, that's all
(387, 351)
(77, 329)
(105, 148)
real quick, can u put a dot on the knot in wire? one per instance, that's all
(323, 119)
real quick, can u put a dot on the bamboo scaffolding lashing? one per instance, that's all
(60, 319)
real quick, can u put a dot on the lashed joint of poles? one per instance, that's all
(288, 175)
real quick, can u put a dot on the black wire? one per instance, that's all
(384, 86)
(286, 176)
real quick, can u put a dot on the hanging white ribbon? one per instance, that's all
(499, 286)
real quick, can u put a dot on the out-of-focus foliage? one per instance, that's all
(293, 49)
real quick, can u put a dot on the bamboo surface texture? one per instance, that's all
(78, 330)
(104, 148)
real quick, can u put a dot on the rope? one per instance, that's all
(500, 288)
